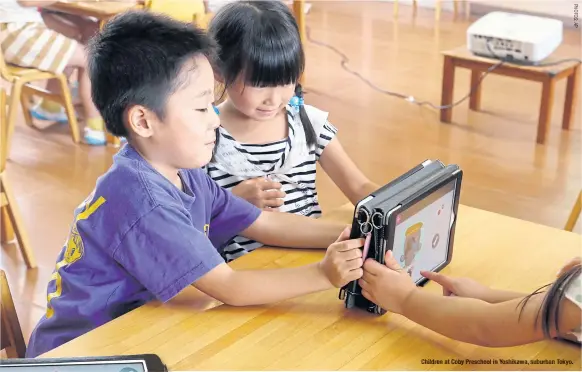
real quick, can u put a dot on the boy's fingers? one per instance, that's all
(354, 264)
(350, 255)
(355, 274)
(345, 235)
(348, 245)
(270, 185)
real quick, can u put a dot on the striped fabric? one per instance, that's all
(34, 45)
(299, 186)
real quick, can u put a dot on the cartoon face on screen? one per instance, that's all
(412, 245)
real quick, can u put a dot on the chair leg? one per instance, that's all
(574, 214)
(12, 108)
(17, 223)
(24, 103)
(6, 230)
(69, 108)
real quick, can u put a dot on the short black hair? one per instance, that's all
(260, 41)
(137, 60)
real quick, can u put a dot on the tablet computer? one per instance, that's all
(415, 218)
(121, 363)
(421, 232)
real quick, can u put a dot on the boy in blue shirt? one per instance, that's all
(155, 222)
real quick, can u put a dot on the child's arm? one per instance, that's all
(480, 323)
(467, 287)
(166, 253)
(290, 230)
(341, 264)
(464, 319)
(237, 217)
(344, 172)
(36, 3)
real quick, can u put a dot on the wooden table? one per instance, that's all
(102, 11)
(316, 332)
(548, 76)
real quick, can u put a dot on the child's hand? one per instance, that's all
(343, 260)
(387, 286)
(261, 192)
(461, 287)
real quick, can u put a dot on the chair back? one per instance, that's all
(4, 71)
(3, 130)
(182, 10)
(11, 338)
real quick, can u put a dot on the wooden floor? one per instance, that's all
(505, 171)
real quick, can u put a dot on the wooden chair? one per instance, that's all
(186, 11)
(574, 214)
(11, 338)
(20, 78)
(11, 220)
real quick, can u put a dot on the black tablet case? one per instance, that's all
(400, 191)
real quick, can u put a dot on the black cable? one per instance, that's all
(411, 99)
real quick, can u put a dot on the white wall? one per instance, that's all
(560, 8)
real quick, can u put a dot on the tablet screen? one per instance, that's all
(421, 236)
(105, 366)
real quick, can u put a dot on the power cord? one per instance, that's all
(345, 60)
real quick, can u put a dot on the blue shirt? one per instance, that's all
(136, 238)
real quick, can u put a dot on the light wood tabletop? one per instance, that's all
(194, 332)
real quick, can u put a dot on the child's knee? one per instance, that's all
(79, 57)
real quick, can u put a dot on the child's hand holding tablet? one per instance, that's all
(388, 286)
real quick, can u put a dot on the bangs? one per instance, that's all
(259, 43)
(268, 62)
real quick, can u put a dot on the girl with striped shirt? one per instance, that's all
(269, 141)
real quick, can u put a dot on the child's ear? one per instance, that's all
(140, 120)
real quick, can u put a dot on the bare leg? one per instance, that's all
(79, 60)
(59, 24)
(73, 27)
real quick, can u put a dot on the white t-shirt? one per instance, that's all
(12, 12)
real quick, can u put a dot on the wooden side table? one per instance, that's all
(548, 76)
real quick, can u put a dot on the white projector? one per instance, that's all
(518, 37)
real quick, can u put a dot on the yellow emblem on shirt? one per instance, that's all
(73, 252)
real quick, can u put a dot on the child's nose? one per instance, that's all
(274, 98)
